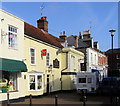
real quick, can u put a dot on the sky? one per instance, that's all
(72, 17)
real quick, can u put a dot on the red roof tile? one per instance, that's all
(37, 33)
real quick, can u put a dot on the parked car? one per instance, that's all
(110, 85)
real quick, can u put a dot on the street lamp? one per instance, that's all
(111, 97)
(112, 34)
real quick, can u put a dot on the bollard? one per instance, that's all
(8, 98)
(30, 99)
(56, 101)
(84, 100)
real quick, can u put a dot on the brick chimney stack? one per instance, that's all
(63, 36)
(86, 34)
(43, 23)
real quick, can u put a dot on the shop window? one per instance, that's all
(32, 52)
(8, 80)
(32, 82)
(35, 82)
(39, 82)
(12, 37)
(48, 60)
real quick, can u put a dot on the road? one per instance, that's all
(71, 98)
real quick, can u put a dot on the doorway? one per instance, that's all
(47, 84)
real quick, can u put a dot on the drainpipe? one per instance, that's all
(64, 68)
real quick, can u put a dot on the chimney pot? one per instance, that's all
(79, 33)
(88, 31)
(80, 37)
(63, 32)
(45, 18)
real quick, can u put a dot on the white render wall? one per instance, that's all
(9, 53)
(5, 51)
(91, 64)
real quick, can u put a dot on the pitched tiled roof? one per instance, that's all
(37, 33)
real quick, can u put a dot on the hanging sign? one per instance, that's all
(44, 52)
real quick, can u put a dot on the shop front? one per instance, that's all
(11, 78)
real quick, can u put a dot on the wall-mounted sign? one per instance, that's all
(55, 63)
(83, 66)
(44, 52)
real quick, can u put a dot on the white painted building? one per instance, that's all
(96, 60)
(91, 59)
(11, 56)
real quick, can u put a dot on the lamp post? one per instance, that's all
(112, 34)
(111, 97)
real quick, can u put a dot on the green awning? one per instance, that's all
(12, 65)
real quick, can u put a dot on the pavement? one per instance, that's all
(66, 98)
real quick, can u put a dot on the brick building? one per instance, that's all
(113, 62)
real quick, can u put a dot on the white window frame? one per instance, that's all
(34, 56)
(91, 58)
(95, 59)
(74, 62)
(36, 82)
(47, 59)
(15, 38)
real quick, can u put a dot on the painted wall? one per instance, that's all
(96, 61)
(69, 81)
(92, 59)
(9, 53)
(55, 83)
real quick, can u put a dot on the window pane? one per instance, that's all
(32, 56)
(9, 80)
(12, 82)
(8, 28)
(39, 80)
(12, 37)
(32, 62)
(32, 82)
(48, 59)
(82, 80)
(89, 80)
(32, 50)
